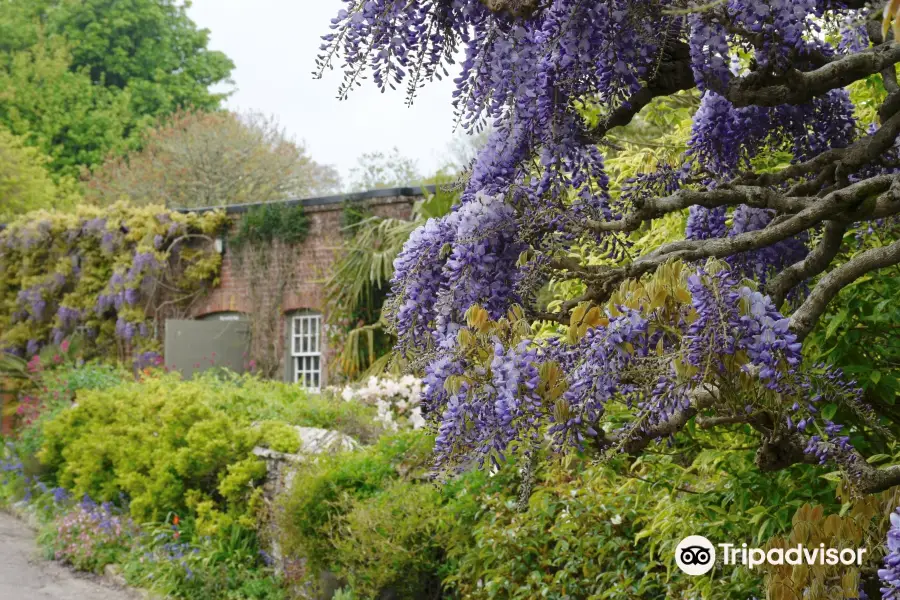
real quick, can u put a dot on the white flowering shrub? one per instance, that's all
(396, 398)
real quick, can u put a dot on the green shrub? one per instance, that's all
(392, 541)
(572, 542)
(273, 221)
(588, 531)
(248, 397)
(177, 446)
(156, 441)
(326, 489)
(280, 436)
(375, 519)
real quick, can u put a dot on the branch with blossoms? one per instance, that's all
(691, 331)
(801, 214)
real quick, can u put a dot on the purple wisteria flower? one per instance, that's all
(68, 317)
(132, 296)
(141, 263)
(148, 359)
(595, 368)
(890, 574)
(125, 329)
(94, 226)
(32, 299)
(109, 242)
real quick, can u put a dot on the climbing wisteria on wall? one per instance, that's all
(106, 275)
(707, 330)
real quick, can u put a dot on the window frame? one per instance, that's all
(306, 350)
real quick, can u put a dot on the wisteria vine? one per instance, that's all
(103, 276)
(688, 330)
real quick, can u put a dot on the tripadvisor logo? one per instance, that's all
(696, 555)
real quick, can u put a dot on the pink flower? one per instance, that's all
(64, 346)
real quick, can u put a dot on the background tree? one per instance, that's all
(81, 79)
(379, 170)
(149, 47)
(25, 183)
(359, 283)
(60, 111)
(212, 159)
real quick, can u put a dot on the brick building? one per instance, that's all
(220, 320)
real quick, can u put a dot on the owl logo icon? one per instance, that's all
(695, 555)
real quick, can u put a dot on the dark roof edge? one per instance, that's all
(321, 201)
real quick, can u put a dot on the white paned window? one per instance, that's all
(306, 350)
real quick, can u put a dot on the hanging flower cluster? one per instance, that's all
(890, 574)
(464, 258)
(725, 139)
(101, 274)
(643, 358)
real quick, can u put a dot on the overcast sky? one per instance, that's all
(273, 44)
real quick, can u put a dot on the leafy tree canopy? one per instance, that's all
(789, 188)
(150, 47)
(62, 112)
(199, 159)
(25, 183)
(80, 79)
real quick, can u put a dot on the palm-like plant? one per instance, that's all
(12, 367)
(359, 281)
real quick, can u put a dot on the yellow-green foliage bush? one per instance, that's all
(169, 445)
(252, 398)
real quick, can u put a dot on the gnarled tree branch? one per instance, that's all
(804, 319)
(814, 263)
(674, 74)
(798, 87)
(789, 448)
(727, 196)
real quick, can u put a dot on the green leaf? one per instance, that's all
(875, 458)
(835, 322)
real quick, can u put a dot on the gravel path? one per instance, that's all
(24, 575)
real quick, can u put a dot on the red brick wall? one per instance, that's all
(312, 261)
